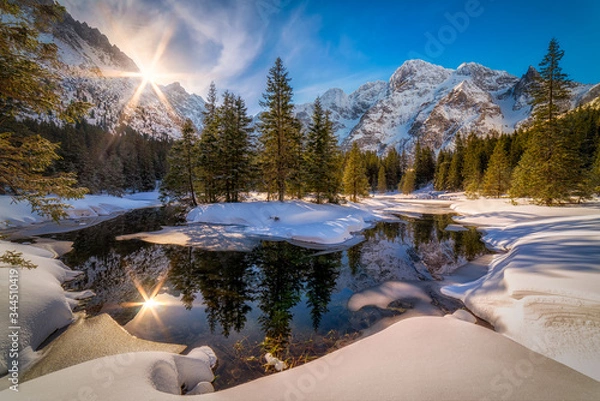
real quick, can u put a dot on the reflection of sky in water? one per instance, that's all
(249, 289)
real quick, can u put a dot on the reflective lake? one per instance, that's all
(294, 301)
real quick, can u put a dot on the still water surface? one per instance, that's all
(266, 296)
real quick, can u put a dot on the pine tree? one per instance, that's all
(381, 180)
(280, 136)
(355, 180)
(424, 165)
(181, 179)
(549, 169)
(393, 169)
(208, 150)
(24, 161)
(595, 174)
(372, 163)
(322, 156)
(28, 85)
(235, 145)
(473, 165)
(441, 170)
(407, 185)
(496, 180)
(455, 172)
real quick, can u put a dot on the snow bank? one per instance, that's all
(43, 305)
(544, 292)
(129, 376)
(416, 359)
(299, 221)
(14, 214)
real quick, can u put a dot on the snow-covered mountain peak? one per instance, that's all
(418, 72)
(95, 71)
(335, 98)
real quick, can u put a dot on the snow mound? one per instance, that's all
(298, 221)
(128, 376)
(18, 214)
(426, 358)
(544, 291)
(43, 306)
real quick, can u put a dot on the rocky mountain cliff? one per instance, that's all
(95, 71)
(433, 103)
(420, 100)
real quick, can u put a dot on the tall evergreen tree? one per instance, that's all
(441, 170)
(28, 85)
(407, 185)
(424, 165)
(322, 156)
(393, 169)
(372, 163)
(279, 130)
(235, 147)
(496, 180)
(474, 164)
(355, 180)
(549, 168)
(381, 180)
(455, 172)
(181, 180)
(208, 150)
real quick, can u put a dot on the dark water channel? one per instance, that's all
(272, 297)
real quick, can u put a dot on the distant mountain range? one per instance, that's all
(420, 100)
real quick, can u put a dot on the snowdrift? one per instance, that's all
(299, 221)
(544, 291)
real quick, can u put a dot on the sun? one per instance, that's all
(149, 75)
(150, 303)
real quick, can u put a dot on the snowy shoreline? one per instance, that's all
(467, 361)
(17, 218)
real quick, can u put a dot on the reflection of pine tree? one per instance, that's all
(223, 280)
(320, 281)
(282, 266)
(353, 255)
(182, 274)
(226, 290)
(422, 230)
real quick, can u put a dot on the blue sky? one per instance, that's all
(330, 43)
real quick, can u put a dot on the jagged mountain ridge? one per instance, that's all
(90, 69)
(433, 103)
(420, 100)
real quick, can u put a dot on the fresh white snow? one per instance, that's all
(298, 221)
(18, 214)
(42, 304)
(542, 292)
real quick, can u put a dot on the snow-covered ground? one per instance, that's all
(543, 293)
(39, 303)
(13, 214)
(299, 221)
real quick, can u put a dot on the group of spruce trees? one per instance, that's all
(555, 159)
(229, 157)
